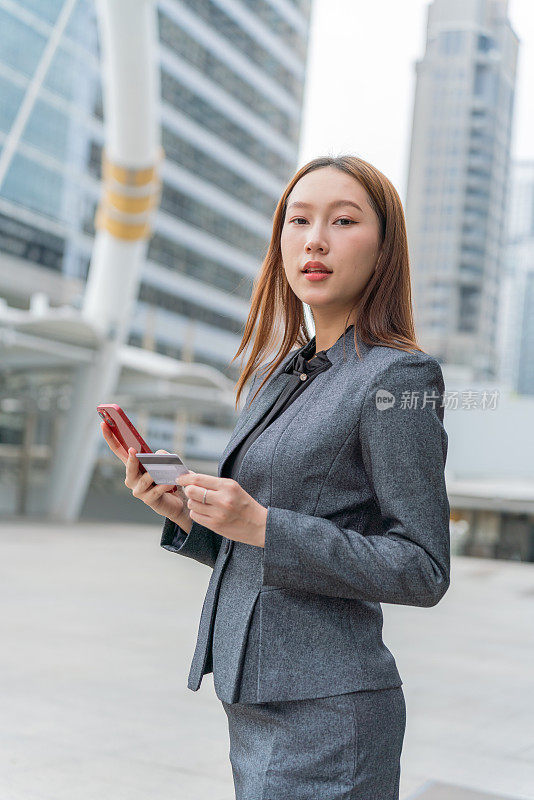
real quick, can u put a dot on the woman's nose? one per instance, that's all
(316, 244)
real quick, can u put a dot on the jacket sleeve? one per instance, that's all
(404, 450)
(201, 543)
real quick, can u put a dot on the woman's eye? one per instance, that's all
(341, 219)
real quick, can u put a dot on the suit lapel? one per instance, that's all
(277, 383)
(265, 400)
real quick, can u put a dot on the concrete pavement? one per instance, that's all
(98, 626)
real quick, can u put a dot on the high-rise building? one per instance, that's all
(458, 179)
(49, 190)
(232, 78)
(516, 336)
(232, 83)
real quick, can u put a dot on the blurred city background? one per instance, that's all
(134, 287)
(144, 146)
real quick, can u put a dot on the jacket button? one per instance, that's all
(227, 545)
(303, 376)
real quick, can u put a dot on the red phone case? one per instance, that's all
(124, 431)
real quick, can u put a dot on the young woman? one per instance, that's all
(330, 499)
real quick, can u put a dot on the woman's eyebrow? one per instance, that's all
(333, 204)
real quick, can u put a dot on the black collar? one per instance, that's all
(321, 360)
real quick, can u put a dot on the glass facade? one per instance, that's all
(251, 47)
(517, 334)
(200, 57)
(182, 259)
(231, 119)
(184, 98)
(457, 182)
(54, 173)
(47, 178)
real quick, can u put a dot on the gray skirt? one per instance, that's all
(343, 747)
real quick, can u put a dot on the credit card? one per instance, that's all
(162, 467)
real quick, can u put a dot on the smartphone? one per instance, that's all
(126, 433)
(163, 467)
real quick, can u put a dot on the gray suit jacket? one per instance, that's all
(352, 475)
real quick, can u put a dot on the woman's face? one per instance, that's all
(329, 219)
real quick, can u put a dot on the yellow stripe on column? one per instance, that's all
(128, 177)
(128, 191)
(128, 204)
(128, 231)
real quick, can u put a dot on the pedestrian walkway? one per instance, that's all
(446, 791)
(98, 627)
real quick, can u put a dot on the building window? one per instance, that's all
(201, 216)
(452, 42)
(190, 310)
(182, 98)
(227, 27)
(208, 64)
(486, 83)
(30, 243)
(188, 262)
(469, 300)
(485, 43)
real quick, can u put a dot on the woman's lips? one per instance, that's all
(316, 276)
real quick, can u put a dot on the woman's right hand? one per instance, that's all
(156, 496)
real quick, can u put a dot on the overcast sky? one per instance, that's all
(361, 81)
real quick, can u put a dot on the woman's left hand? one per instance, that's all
(228, 510)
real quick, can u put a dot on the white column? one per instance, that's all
(130, 77)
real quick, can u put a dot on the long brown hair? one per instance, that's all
(385, 315)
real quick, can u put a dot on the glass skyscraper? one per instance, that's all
(458, 179)
(516, 337)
